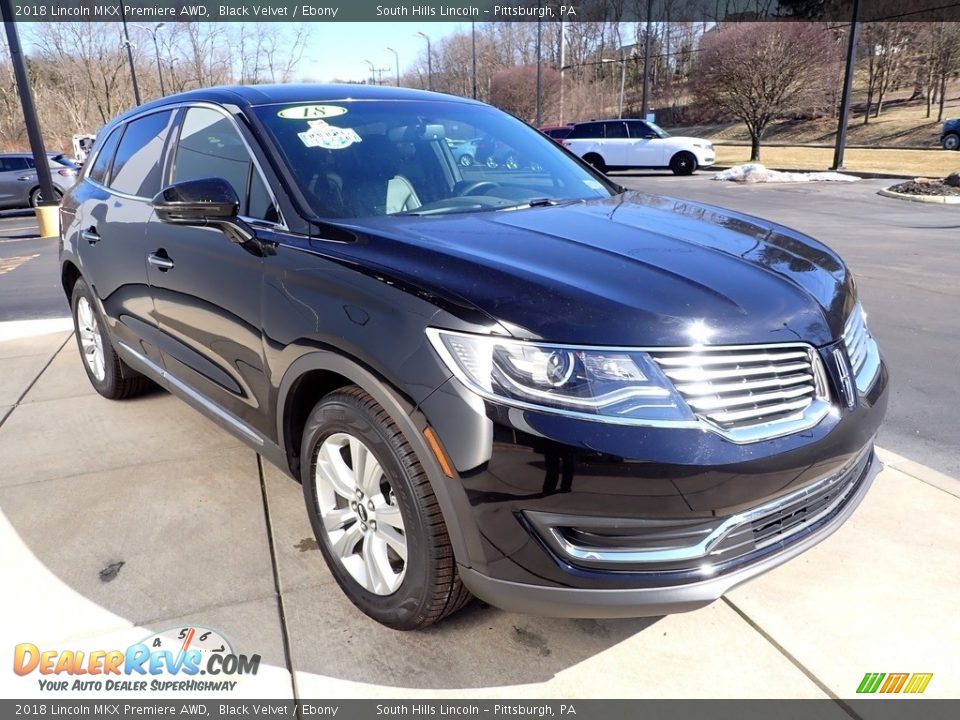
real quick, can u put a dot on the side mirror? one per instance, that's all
(207, 201)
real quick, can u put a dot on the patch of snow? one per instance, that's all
(757, 173)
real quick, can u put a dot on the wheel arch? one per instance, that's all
(69, 274)
(320, 372)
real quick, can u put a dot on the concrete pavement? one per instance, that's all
(119, 520)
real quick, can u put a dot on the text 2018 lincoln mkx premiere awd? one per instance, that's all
(523, 384)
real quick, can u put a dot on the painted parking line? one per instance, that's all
(12, 263)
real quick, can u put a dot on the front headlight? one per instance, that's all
(615, 384)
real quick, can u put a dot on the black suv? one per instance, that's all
(527, 385)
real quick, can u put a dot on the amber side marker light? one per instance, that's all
(438, 452)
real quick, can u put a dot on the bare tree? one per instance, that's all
(758, 72)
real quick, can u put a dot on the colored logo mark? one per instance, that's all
(913, 683)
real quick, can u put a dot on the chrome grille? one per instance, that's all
(745, 387)
(861, 349)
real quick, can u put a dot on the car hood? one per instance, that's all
(634, 269)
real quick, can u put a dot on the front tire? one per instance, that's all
(375, 516)
(466, 160)
(683, 163)
(951, 142)
(109, 375)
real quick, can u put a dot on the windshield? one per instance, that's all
(354, 159)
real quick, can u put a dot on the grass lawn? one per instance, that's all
(925, 163)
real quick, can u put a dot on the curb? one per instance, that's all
(862, 174)
(940, 199)
(917, 471)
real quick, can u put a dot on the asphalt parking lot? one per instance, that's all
(121, 520)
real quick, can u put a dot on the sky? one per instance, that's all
(338, 50)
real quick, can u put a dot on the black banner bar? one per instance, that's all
(481, 10)
(207, 709)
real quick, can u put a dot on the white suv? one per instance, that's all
(621, 144)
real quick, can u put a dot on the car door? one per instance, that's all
(616, 146)
(644, 148)
(114, 206)
(206, 288)
(13, 190)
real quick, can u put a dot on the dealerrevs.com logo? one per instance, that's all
(174, 659)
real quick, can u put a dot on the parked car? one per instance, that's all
(464, 151)
(537, 388)
(950, 137)
(557, 132)
(19, 187)
(623, 144)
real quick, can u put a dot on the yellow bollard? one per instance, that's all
(48, 216)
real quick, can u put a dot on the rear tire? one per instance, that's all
(683, 163)
(466, 160)
(36, 197)
(109, 375)
(596, 161)
(358, 471)
(951, 142)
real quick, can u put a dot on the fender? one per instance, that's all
(450, 495)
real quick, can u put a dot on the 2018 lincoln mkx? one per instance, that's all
(521, 383)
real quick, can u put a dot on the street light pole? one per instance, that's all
(429, 61)
(396, 58)
(373, 72)
(847, 88)
(30, 117)
(156, 48)
(126, 41)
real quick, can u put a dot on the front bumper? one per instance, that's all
(658, 600)
(518, 473)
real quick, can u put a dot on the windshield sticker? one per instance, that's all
(328, 137)
(311, 112)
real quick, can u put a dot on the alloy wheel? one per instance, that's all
(359, 514)
(90, 339)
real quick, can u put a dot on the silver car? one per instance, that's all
(19, 186)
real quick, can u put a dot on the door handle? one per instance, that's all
(160, 262)
(91, 236)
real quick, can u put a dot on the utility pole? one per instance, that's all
(847, 89)
(646, 62)
(623, 81)
(539, 71)
(126, 41)
(46, 214)
(563, 66)
(473, 43)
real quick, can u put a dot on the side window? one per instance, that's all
(98, 171)
(29, 162)
(136, 169)
(12, 164)
(592, 131)
(210, 146)
(638, 129)
(261, 204)
(616, 130)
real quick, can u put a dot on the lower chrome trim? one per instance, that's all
(137, 358)
(701, 550)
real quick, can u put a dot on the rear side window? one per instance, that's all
(10, 164)
(136, 169)
(98, 171)
(616, 130)
(586, 130)
(210, 146)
